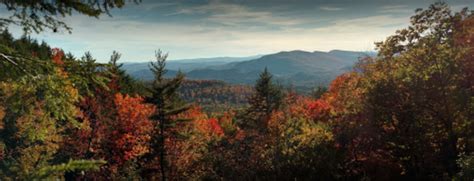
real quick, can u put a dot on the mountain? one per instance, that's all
(299, 68)
(291, 67)
(141, 70)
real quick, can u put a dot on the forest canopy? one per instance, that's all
(405, 114)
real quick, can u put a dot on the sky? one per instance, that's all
(235, 28)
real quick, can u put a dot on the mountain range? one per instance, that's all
(298, 68)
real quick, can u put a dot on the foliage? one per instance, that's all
(120, 80)
(115, 128)
(304, 145)
(164, 95)
(37, 109)
(266, 98)
(215, 96)
(465, 163)
(406, 114)
(38, 15)
(72, 165)
(188, 153)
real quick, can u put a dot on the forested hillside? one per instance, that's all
(188, 64)
(406, 113)
(298, 68)
(215, 96)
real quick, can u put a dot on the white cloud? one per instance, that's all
(235, 14)
(330, 8)
(369, 22)
(157, 5)
(396, 9)
(137, 40)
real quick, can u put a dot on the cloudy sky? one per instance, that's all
(212, 28)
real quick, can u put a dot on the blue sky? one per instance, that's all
(198, 28)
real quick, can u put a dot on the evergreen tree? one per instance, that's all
(267, 98)
(168, 104)
(256, 146)
(120, 79)
(39, 15)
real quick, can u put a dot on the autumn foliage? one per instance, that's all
(133, 128)
(405, 114)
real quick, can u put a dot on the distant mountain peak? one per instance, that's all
(297, 67)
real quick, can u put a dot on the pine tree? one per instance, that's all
(168, 104)
(255, 147)
(120, 80)
(267, 98)
(36, 16)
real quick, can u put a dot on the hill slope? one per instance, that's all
(141, 70)
(294, 67)
(300, 68)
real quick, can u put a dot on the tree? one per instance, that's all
(406, 112)
(120, 80)
(37, 111)
(267, 98)
(304, 145)
(23, 56)
(465, 163)
(114, 127)
(38, 15)
(422, 68)
(253, 148)
(168, 104)
(190, 157)
(130, 132)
